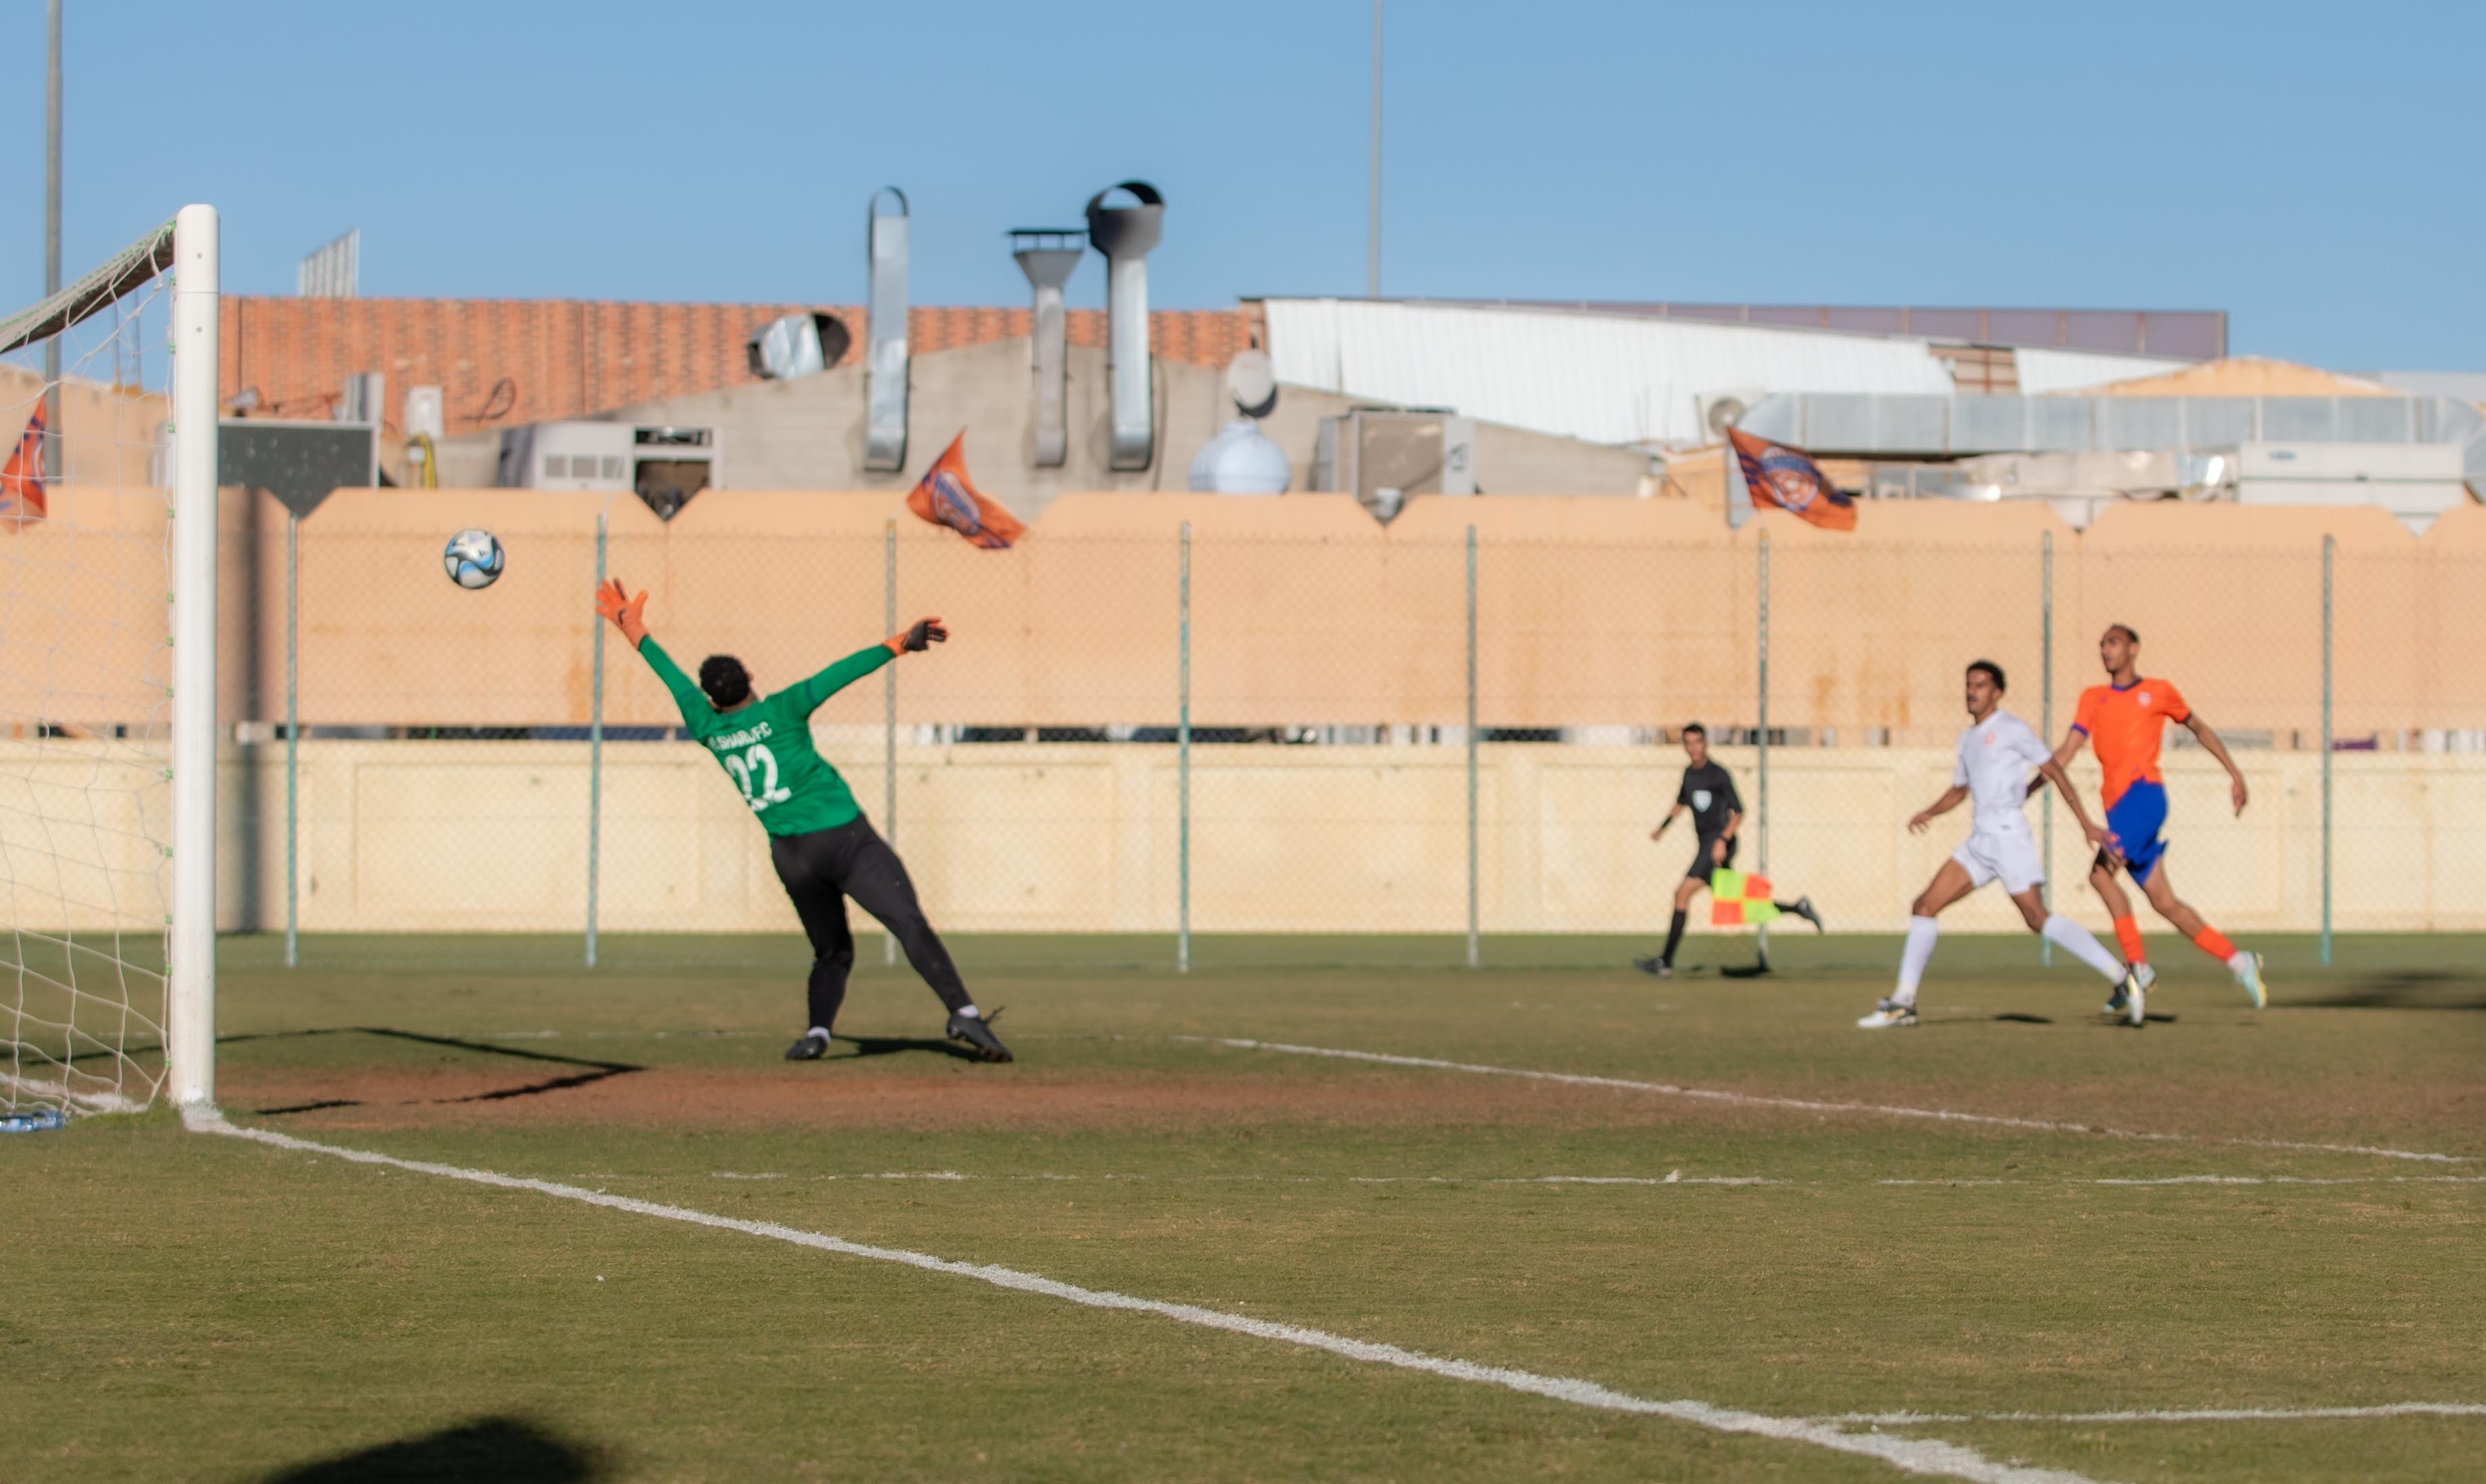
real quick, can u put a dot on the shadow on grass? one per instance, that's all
(590, 1071)
(2408, 990)
(503, 1450)
(886, 1045)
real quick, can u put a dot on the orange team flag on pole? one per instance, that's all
(946, 497)
(1788, 479)
(21, 479)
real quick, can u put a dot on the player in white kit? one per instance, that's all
(1996, 752)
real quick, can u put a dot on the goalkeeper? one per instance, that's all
(824, 849)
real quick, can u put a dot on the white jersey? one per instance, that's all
(1994, 756)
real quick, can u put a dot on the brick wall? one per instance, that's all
(567, 357)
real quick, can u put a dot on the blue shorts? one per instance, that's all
(2136, 819)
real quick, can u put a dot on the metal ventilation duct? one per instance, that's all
(884, 367)
(1125, 235)
(1047, 255)
(1924, 427)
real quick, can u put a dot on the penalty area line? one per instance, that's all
(1800, 1105)
(2199, 1414)
(1925, 1456)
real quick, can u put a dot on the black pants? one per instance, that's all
(821, 870)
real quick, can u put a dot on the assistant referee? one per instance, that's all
(1708, 791)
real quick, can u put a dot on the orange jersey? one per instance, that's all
(2124, 727)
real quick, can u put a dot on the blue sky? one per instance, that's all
(2307, 168)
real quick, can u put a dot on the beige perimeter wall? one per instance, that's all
(443, 837)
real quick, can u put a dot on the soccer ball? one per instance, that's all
(473, 558)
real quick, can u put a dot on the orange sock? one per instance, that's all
(2127, 936)
(2215, 943)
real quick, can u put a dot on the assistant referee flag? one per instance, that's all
(1788, 478)
(1739, 899)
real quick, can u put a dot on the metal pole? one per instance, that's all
(1761, 815)
(2046, 718)
(190, 989)
(889, 713)
(1372, 193)
(293, 735)
(1182, 765)
(52, 233)
(1475, 953)
(596, 758)
(2329, 548)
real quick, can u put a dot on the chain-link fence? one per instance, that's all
(1142, 741)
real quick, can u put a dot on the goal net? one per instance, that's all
(88, 687)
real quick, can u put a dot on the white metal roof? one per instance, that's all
(2043, 371)
(1613, 379)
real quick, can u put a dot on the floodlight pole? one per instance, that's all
(52, 233)
(190, 979)
(1372, 192)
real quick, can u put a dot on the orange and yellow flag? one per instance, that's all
(1740, 899)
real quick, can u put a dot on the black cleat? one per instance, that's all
(1803, 908)
(810, 1048)
(1656, 967)
(976, 1032)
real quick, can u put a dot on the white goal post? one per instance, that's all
(190, 953)
(109, 540)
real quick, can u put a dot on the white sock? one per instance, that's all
(2083, 945)
(1913, 959)
(970, 1012)
(2238, 961)
(818, 1032)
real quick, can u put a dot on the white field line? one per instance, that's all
(1677, 1177)
(1804, 1105)
(56, 1087)
(2203, 1415)
(1909, 1455)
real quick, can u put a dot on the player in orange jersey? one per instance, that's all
(2123, 720)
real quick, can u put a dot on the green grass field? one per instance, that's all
(175, 1305)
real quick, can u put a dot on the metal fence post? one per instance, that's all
(1761, 813)
(596, 758)
(889, 713)
(2046, 720)
(1474, 949)
(1182, 764)
(293, 732)
(2329, 548)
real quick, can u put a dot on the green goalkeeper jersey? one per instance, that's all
(766, 746)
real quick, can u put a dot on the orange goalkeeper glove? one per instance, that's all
(926, 633)
(613, 602)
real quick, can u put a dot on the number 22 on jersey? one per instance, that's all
(755, 772)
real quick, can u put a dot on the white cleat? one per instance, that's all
(2250, 977)
(2135, 998)
(1889, 1012)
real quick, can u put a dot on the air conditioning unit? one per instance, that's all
(1721, 410)
(1386, 456)
(663, 466)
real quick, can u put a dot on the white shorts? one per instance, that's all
(1994, 854)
